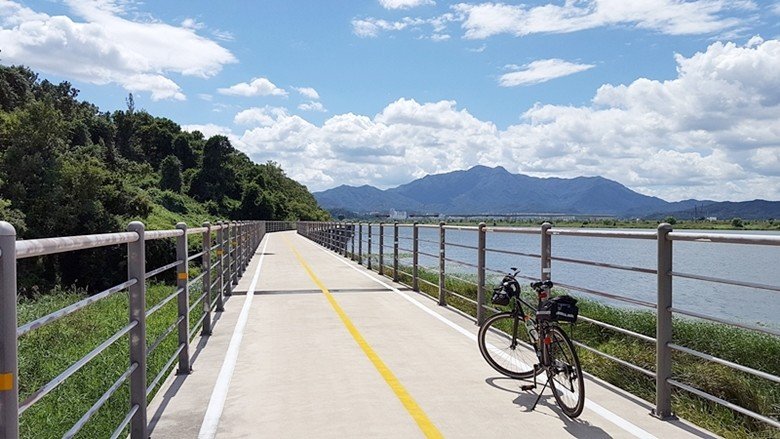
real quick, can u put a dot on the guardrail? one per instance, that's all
(348, 239)
(227, 250)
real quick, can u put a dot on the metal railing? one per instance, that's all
(226, 251)
(348, 239)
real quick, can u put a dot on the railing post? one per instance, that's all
(442, 287)
(360, 243)
(352, 236)
(481, 274)
(415, 256)
(241, 247)
(381, 248)
(136, 269)
(663, 332)
(207, 279)
(234, 255)
(369, 246)
(228, 250)
(546, 253)
(9, 362)
(345, 232)
(395, 251)
(183, 299)
(221, 265)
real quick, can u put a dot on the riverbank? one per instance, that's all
(753, 225)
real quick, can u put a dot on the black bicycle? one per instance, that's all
(521, 346)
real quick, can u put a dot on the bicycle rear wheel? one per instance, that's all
(503, 342)
(565, 373)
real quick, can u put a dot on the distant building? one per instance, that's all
(711, 218)
(398, 215)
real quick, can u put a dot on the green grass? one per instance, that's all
(47, 351)
(755, 350)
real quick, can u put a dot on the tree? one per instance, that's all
(170, 174)
(737, 223)
(215, 180)
(671, 220)
(183, 150)
(256, 204)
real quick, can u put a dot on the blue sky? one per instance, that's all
(673, 98)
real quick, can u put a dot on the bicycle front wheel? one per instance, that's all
(503, 342)
(565, 373)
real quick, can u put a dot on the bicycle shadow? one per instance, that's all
(525, 399)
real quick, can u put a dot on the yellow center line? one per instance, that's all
(417, 413)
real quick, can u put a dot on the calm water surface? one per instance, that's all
(754, 263)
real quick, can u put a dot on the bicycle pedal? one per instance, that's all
(527, 387)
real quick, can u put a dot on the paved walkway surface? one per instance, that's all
(365, 358)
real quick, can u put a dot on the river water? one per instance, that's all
(753, 263)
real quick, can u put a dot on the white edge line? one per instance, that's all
(208, 428)
(596, 408)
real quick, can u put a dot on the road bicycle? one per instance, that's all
(522, 346)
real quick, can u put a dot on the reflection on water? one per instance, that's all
(752, 263)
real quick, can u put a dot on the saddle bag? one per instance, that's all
(559, 309)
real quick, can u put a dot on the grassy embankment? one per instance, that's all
(46, 352)
(740, 346)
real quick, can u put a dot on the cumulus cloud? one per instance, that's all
(669, 17)
(540, 71)
(257, 116)
(711, 132)
(107, 47)
(307, 92)
(312, 106)
(255, 87)
(404, 4)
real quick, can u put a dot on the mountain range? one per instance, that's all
(485, 190)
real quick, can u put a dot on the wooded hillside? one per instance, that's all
(67, 168)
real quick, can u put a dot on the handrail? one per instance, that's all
(29, 248)
(162, 234)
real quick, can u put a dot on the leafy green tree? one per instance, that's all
(215, 180)
(183, 150)
(170, 174)
(671, 220)
(256, 204)
(737, 223)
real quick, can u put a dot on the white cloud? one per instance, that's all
(307, 92)
(671, 17)
(312, 106)
(106, 47)
(257, 116)
(255, 87)
(371, 27)
(539, 71)
(483, 20)
(709, 133)
(404, 4)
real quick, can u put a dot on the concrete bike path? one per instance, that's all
(365, 358)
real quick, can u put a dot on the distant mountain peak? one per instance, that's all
(494, 190)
